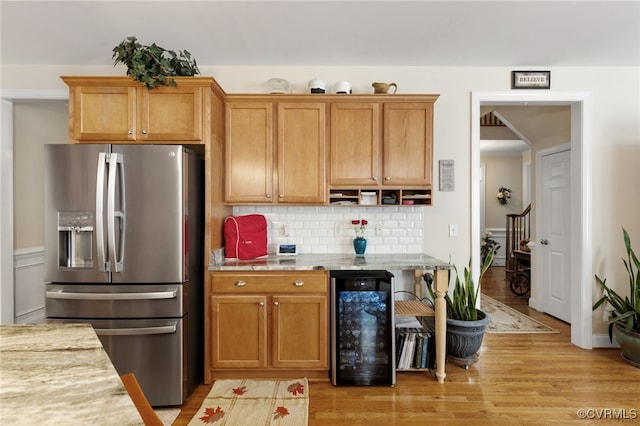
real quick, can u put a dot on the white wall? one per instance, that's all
(616, 136)
(36, 123)
(502, 171)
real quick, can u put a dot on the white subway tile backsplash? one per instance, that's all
(313, 227)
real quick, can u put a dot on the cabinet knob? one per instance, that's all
(268, 195)
(261, 304)
(144, 132)
(374, 178)
(130, 132)
(281, 195)
(298, 283)
(240, 283)
(276, 303)
(387, 178)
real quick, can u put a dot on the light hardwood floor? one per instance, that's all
(519, 379)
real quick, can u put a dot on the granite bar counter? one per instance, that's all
(59, 374)
(328, 262)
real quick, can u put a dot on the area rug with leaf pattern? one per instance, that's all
(245, 402)
(505, 319)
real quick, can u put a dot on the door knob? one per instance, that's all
(544, 242)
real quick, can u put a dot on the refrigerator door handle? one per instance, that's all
(136, 331)
(103, 265)
(115, 171)
(59, 294)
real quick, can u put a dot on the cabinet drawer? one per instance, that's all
(238, 282)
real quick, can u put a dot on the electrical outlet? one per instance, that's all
(337, 229)
(453, 230)
(286, 230)
(378, 229)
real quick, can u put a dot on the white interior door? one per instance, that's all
(555, 236)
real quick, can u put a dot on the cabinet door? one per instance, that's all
(355, 144)
(249, 152)
(408, 144)
(170, 113)
(238, 331)
(302, 153)
(300, 331)
(103, 113)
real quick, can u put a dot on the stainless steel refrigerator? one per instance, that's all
(124, 252)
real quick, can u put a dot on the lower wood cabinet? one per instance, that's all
(269, 323)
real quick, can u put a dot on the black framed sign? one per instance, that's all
(530, 79)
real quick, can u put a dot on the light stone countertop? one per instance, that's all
(301, 262)
(59, 374)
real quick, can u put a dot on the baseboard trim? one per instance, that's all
(602, 341)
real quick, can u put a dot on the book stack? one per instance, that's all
(415, 348)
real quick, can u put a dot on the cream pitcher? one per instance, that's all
(384, 87)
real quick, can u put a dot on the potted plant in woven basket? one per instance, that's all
(624, 317)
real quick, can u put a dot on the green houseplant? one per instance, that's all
(624, 318)
(153, 65)
(465, 323)
(461, 305)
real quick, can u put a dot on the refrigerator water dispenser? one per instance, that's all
(75, 240)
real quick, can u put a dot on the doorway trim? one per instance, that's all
(581, 240)
(8, 97)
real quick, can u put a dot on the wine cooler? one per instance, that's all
(362, 331)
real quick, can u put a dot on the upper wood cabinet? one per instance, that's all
(249, 146)
(381, 144)
(275, 152)
(407, 150)
(355, 144)
(120, 109)
(302, 141)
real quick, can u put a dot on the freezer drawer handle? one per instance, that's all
(59, 294)
(136, 331)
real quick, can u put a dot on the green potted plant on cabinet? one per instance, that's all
(465, 323)
(153, 65)
(624, 318)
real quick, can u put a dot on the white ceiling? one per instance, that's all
(540, 34)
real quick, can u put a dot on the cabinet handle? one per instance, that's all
(298, 283)
(144, 132)
(276, 303)
(240, 283)
(387, 178)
